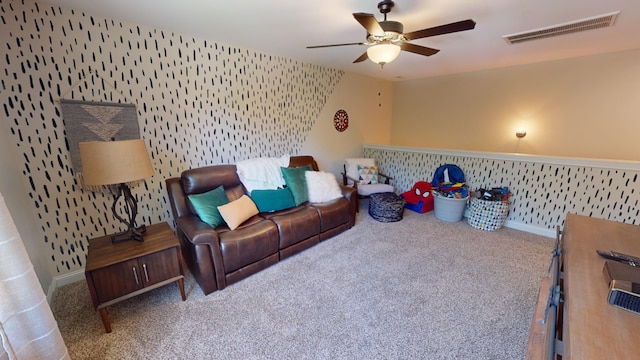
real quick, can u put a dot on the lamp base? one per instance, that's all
(131, 234)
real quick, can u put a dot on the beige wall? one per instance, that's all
(586, 107)
(368, 102)
(13, 190)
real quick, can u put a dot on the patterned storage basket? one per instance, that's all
(488, 215)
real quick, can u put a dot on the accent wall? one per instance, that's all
(199, 103)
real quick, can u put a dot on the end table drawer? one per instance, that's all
(116, 280)
(160, 266)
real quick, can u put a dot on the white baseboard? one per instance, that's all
(524, 227)
(63, 280)
(530, 229)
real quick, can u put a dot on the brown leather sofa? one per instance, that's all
(219, 257)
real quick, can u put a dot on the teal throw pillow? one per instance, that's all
(206, 205)
(297, 182)
(273, 200)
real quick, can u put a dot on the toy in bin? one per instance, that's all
(449, 181)
(493, 194)
(419, 198)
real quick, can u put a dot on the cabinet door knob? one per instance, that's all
(135, 274)
(146, 275)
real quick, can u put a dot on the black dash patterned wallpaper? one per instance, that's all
(198, 103)
(543, 193)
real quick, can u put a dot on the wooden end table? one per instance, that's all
(119, 271)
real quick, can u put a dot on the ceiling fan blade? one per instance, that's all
(442, 29)
(362, 58)
(369, 22)
(417, 49)
(324, 46)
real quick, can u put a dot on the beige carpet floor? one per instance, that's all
(420, 288)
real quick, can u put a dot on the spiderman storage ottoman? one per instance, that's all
(386, 207)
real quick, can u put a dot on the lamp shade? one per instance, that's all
(114, 162)
(383, 53)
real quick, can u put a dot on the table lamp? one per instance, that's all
(116, 165)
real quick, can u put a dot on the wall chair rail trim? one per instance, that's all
(555, 160)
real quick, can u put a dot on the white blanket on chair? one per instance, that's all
(262, 173)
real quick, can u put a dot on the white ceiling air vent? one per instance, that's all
(595, 22)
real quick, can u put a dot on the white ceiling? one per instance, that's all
(286, 27)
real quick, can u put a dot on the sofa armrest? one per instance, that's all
(203, 244)
(351, 195)
(348, 192)
(196, 231)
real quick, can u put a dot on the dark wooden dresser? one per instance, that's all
(585, 325)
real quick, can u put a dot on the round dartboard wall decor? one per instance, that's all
(341, 120)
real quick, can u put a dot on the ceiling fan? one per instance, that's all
(386, 38)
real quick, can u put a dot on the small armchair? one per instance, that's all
(362, 174)
(419, 198)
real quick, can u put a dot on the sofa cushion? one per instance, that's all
(297, 183)
(206, 205)
(273, 200)
(199, 180)
(238, 211)
(297, 226)
(322, 186)
(332, 213)
(248, 244)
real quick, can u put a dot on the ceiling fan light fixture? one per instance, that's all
(383, 53)
(385, 39)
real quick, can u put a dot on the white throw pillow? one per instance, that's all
(322, 186)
